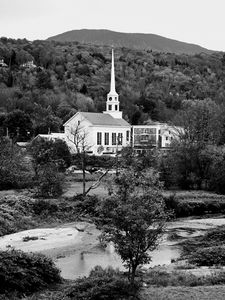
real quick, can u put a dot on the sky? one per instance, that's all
(200, 22)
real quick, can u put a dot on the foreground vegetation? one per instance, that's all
(206, 250)
(112, 285)
(22, 273)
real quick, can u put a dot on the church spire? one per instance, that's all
(112, 84)
(112, 103)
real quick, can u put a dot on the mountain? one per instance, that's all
(138, 41)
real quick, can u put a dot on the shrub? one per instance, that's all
(103, 284)
(202, 250)
(208, 256)
(13, 172)
(26, 273)
(44, 152)
(49, 181)
(95, 161)
(86, 204)
(194, 204)
(41, 206)
(15, 213)
(181, 278)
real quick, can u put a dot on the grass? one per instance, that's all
(151, 292)
(194, 203)
(184, 293)
(73, 185)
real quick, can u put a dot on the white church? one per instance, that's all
(107, 133)
(97, 133)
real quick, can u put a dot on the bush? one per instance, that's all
(26, 273)
(41, 206)
(94, 161)
(202, 251)
(103, 284)
(208, 256)
(49, 181)
(15, 213)
(195, 204)
(13, 173)
(44, 152)
(181, 278)
(86, 204)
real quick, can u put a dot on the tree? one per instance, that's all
(49, 180)
(80, 140)
(19, 125)
(44, 80)
(133, 218)
(201, 121)
(46, 151)
(13, 173)
(49, 123)
(187, 164)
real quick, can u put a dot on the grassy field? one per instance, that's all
(184, 293)
(73, 185)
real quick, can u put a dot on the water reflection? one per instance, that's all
(80, 264)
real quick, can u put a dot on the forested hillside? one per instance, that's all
(68, 77)
(138, 41)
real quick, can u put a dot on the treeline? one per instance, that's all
(67, 77)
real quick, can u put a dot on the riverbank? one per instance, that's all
(76, 249)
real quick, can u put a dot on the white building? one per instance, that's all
(3, 64)
(108, 132)
(155, 135)
(29, 65)
(99, 133)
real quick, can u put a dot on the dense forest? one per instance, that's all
(67, 77)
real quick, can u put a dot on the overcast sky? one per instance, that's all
(195, 21)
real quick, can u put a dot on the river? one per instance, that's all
(76, 250)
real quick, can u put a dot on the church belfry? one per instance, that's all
(112, 103)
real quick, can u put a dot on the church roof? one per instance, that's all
(103, 119)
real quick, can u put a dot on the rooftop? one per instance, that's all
(100, 119)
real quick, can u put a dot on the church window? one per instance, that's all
(120, 138)
(78, 123)
(128, 135)
(116, 107)
(113, 138)
(99, 138)
(110, 98)
(115, 98)
(110, 107)
(106, 138)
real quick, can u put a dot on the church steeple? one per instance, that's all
(112, 83)
(113, 104)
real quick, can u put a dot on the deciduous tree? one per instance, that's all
(134, 217)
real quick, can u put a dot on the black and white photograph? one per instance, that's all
(112, 150)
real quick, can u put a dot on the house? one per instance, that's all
(99, 133)
(29, 65)
(51, 136)
(3, 64)
(154, 135)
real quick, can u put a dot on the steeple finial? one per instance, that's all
(112, 84)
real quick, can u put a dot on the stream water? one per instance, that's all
(79, 264)
(76, 253)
